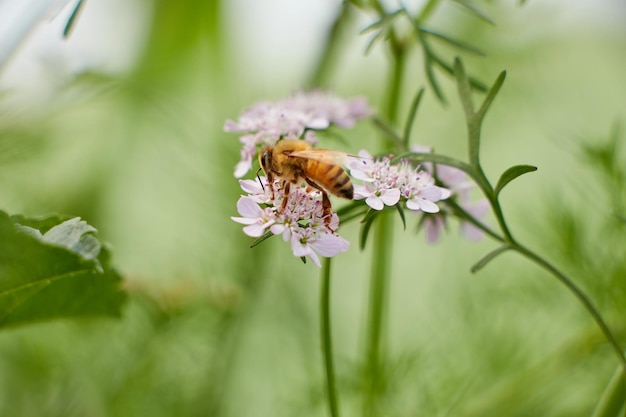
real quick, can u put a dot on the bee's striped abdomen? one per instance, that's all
(332, 177)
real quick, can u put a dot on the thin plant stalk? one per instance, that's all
(379, 284)
(382, 252)
(327, 341)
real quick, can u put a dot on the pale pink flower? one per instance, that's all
(301, 223)
(385, 184)
(434, 225)
(296, 117)
(256, 218)
(307, 242)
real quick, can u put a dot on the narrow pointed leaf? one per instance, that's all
(401, 213)
(464, 89)
(493, 91)
(489, 257)
(419, 158)
(366, 226)
(258, 240)
(388, 131)
(432, 80)
(473, 82)
(512, 173)
(472, 9)
(454, 42)
(411, 117)
(372, 42)
(72, 20)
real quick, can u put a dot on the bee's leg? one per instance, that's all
(286, 187)
(270, 182)
(325, 203)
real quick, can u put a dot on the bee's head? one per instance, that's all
(265, 157)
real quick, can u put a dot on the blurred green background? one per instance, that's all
(121, 124)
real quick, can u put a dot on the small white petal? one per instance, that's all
(242, 168)
(390, 197)
(430, 193)
(251, 186)
(244, 220)
(445, 193)
(374, 202)
(330, 245)
(248, 208)
(255, 230)
(428, 206)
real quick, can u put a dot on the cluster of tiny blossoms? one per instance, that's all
(297, 117)
(385, 184)
(301, 222)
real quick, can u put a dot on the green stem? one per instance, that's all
(578, 293)
(428, 9)
(326, 337)
(613, 398)
(379, 281)
(383, 246)
(331, 50)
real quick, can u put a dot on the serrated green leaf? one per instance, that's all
(512, 173)
(41, 281)
(74, 234)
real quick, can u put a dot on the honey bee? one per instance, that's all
(295, 163)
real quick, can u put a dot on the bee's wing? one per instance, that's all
(327, 156)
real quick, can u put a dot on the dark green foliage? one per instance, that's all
(46, 275)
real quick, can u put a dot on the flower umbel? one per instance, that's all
(301, 223)
(385, 184)
(297, 117)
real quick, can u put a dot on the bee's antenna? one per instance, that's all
(259, 178)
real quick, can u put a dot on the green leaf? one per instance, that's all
(491, 94)
(489, 257)
(388, 131)
(464, 88)
(418, 158)
(512, 173)
(471, 8)
(72, 20)
(401, 213)
(454, 42)
(66, 274)
(366, 225)
(473, 82)
(411, 118)
(258, 240)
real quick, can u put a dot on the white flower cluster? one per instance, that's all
(301, 222)
(296, 117)
(385, 184)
